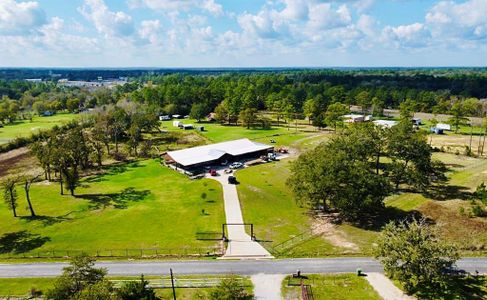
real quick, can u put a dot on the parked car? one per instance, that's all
(272, 156)
(213, 172)
(228, 171)
(236, 165)
(232, 180)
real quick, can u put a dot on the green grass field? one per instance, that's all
(138, 205)
(269, 204)
(25, 128)
(22, 286)
(332, 287)
(215, 132)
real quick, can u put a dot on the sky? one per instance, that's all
(242, 33)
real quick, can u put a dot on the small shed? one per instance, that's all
(177, 123)
(443, 126)
(200, 128)
(385, 123)
(436, 130)
(187, 126)
(353, 118)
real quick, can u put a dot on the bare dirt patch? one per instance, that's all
(18, 161)
(324, 224)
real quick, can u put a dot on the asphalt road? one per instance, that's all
(279, 266)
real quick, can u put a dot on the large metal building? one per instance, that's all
(217, 153)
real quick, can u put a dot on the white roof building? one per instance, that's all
(210, 153)
(443, 126)
(385, 123)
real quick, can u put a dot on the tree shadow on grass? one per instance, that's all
(47, 220)
(117, 200)
(388, 214)
(445, 192)
(456, 287)
(21, 242)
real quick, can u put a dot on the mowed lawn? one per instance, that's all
(268, 203)
(138, 205)
(25, 128)
(216, 132)
(332, 287)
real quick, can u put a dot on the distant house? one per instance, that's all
(385, 123)
(164, 118)
(353, 118)
(436, 130)
(416, 121)
(177, 116)
(443, 126)
(187, 126)
(177, 123)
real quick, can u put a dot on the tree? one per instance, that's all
(334, 114)
(363, 99)
(137, 290)
(198, 111)
(79, 275)
(412, 253)
(458, 117)
(248, 117)
(10, 194)
(339, 175)
(310, 110)
(221, 113)
(230, 289)
(411, 159)
(28, 180)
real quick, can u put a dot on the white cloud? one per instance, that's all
(109, 23)
(465, 20)
(324, 16)
(20, 18)
(150, 30)
(179, 5)
(414, 35)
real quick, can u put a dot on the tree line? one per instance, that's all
(283, 92)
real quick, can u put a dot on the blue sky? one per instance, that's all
(242, 33)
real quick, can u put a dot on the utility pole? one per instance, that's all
(172, 284)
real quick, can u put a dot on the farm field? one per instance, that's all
(268, 203)
(328, 287)
(25, 128)
(131, 206)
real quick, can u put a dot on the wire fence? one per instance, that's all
(121, 253)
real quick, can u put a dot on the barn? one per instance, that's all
(201, 156)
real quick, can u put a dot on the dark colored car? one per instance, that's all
(232, 180)
(213, 172)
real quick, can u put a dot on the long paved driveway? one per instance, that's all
(241, 267)
(240, 243)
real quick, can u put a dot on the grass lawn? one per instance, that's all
(336, 287)
(25, 128)
(216, 132)
(138, 205)
(267, 203)
(22, 286)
